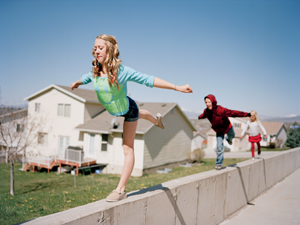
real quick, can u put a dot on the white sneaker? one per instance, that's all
(253, 158)
(160, 123)
(115, 196)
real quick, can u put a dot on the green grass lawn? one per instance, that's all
(38, 194)
(274, 149)
(270, 149)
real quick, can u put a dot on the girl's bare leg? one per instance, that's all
(128, 142)
(145, 114)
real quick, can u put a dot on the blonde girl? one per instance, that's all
(254, 136)
(109, 78)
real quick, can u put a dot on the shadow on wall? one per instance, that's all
(242, 180)
(171, 198)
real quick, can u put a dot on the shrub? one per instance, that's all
(197, 155)
(272, 145)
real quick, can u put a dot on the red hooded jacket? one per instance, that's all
(218, 116)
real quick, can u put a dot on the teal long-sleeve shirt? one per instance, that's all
(114, 99)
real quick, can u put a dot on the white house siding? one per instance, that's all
(91, 109)
(211, 142)
(10, 126)
(197, 142)
(237, 143)
(114, 157)
(265, 142)
(281, 138)
(245, 144)
(57, 126)
(169, 145)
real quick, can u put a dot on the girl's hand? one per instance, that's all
(241, 136)
(184, 88)
(265, 136)
(75, 84)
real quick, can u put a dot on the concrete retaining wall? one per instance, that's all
(204, 198)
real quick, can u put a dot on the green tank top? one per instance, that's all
(115, 101)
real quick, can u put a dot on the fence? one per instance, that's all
(39, 160)
(74, 155)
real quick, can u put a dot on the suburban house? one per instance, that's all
(199, 141)
(276, 133)
(76, 118)
(13, 130)
(61, 110)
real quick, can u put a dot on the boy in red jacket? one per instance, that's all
(218, 117)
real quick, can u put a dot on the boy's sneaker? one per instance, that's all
(253, 158)
(229, 142)
(115, 196)
(258, 152)
(218, 167)
(160, 123)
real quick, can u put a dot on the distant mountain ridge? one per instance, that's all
(282, 119)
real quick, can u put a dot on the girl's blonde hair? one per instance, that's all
(255, 114)
(112, 62)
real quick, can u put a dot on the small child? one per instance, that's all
(218, 117)
(254, 135)
(109, 78)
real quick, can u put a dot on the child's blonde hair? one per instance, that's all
(255, 114)
(112, 62)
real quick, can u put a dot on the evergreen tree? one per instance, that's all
(293, 138)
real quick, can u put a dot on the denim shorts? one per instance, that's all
(133, 112)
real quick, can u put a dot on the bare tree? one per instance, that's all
(17, 132)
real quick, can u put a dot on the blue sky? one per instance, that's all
(246, 53)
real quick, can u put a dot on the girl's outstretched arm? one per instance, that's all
(159, 83)
(75, 84)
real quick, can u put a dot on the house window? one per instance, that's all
(43, 139)
(37, 107)
(20, 127)
(104, 142)
(64, 110)
(63, 144)
(92, 144)
(237, 125)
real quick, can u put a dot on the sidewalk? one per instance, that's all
(279, 205)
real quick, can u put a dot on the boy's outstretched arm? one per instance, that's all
(235, 113)
(203, 115)
(160, 83)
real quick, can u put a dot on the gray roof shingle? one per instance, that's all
(88, 95)
(81, 94)
(102, 122)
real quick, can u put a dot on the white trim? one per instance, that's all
(143, 152)
(93, 131)
(83, 113)
(279, 131)
(105, 132)
(58, 88)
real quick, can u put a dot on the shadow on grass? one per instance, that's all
(34, 187)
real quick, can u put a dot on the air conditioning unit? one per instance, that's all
(74, 153)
